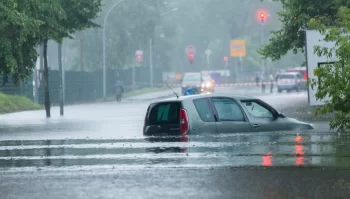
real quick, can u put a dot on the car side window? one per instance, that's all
(204, 110)
(228, 109)
(257, 110)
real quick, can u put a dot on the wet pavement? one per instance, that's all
(98, 151)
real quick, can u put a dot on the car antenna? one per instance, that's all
(177, 96)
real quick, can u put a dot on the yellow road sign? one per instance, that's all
(237, 48)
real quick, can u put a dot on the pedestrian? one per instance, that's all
(272, 80)
(257, 79)
(119, 90)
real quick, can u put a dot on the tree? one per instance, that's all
(18, 54)
(333, 80)
(59, 19)
(294, 18)
(129, 27)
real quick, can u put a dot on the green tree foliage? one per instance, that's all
(17, 29)
(333, 80)
(25, 24)
(129, 27)
(294, 17)
(203, 23)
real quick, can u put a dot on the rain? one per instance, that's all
(260, 108)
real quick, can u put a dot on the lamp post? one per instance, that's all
(151, 50)
(104, 46)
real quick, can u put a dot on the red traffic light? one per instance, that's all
(262, 15)
(190, 57)
(225, 58)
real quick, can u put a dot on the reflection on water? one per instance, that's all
(249, 149)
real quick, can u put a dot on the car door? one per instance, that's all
(206, 119)
(263, 117)
(229, 115)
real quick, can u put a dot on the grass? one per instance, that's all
(15, 103)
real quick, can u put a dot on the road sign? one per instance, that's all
(190, 50)
(139, 56)
(237, 48)
(208, 52)
(189, 92)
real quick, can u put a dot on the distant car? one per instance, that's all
(215, 113)
(197, 82)
(289, 81)
(208, 84)
(303, 73)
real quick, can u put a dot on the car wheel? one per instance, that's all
(279, 90)
(288, 91)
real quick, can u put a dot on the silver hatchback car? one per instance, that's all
(289, 81)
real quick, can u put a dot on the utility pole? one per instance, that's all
(60, 76)
(262, 44)
(151, 62)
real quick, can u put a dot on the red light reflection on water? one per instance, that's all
(299, 159)
(184, 139)
(267, 160)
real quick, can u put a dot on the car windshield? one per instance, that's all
(285, 76)
(206, 78)
(192, 78)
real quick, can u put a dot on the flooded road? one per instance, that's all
(263, 149)
(98, 151)
(109, 135)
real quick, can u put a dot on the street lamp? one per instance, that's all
(151, 50)
(104, 46)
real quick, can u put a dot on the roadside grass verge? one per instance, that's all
(16, 103)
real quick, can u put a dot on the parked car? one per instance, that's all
(303, 73)
(215, 113)
(289, 81)
(197, 82)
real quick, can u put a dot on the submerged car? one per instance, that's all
(215, 113)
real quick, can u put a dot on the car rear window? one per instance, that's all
(204, 110)
(165, 113)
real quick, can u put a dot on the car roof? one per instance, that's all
(193, 73)
(199, 96)
(289, 73)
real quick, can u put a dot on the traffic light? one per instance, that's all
(190, 57)
(262, 17)
(225, 59)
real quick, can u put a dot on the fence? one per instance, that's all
(88, 86)
(81, 86)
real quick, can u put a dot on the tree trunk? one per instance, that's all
(81, 42)
(46, 81)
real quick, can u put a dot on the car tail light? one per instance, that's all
(184, 127)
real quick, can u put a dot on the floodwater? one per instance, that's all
(250, 149)
(109, 135)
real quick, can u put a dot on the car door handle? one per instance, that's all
(255, 125)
